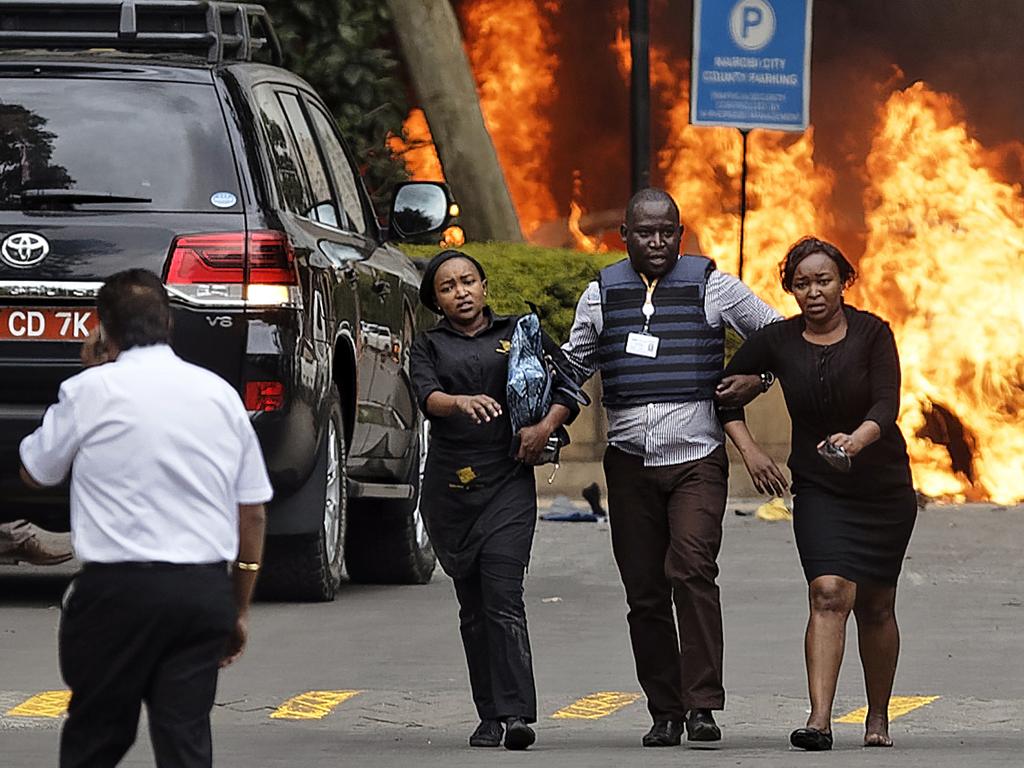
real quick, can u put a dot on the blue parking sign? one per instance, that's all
(751, 64)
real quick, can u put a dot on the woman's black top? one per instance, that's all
(834, 388)
(469, 464)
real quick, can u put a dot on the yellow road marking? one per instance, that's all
(898, 706)
(45, 704)
(596, 705)
(312, 705)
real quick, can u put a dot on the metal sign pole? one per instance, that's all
(743, 200)
(640, 95)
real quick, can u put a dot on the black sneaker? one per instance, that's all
(664, 733)
(701, 726)
(487, 734)
(518, 735)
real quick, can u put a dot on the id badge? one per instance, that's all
(642, 344)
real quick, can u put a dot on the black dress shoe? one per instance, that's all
(811, 739)
(664, 733)
(487, 734)
(518, 735)
(701, 726)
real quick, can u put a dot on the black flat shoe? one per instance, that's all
(701, 726)
(664, 733)
(811, 739)
(487, 734)
(518, 735)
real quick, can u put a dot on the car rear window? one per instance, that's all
(126, 140)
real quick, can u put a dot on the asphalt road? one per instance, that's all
(392, 686)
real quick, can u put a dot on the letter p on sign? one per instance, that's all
(752, 24)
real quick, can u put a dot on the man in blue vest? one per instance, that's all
(654, 326)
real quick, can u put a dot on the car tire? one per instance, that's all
(308, 567)
(387, 542)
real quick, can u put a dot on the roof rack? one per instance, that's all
(219, 31)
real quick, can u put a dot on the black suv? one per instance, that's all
(165, 135)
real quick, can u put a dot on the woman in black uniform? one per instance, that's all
(840, 374)
(479, 499)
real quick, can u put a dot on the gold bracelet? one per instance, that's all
(247, 566)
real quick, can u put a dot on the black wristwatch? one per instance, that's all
(767, 379)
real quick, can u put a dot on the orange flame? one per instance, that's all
(509, 43)
(581, 240)
(943, 265)
(416, 148)
(787, 192)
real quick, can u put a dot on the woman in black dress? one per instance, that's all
(840, 374)
(479, 499)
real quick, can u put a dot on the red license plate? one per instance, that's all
(47, 323)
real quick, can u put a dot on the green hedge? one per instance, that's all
(552, 278)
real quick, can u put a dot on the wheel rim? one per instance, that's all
(417, 514)
(332, 504)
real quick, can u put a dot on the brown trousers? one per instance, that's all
(666, 526)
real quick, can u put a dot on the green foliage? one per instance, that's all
(343, 49)
(552, 278)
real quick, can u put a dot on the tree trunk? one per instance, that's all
(432, 46)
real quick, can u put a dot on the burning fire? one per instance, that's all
(416, 148)
(943, 265)
(582, 241)
(510, 43)
(944, 245)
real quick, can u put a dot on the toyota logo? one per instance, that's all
(24, 249)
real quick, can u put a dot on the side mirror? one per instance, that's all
(419, 209)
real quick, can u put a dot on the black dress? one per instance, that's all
(855, 525)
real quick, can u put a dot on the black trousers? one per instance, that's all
(666, 525)
(143, 632)
(492, 620)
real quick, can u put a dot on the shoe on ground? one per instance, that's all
(811, 739)
(701, 726)
(488, 734)
(35, 552)
(664, 733)
(518, 735)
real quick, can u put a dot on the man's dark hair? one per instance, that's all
(803, 248)
(134, 310)
(649, 195)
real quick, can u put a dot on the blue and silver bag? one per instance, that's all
(529, 378)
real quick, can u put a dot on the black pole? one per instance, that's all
(640, 95)
(743, 200)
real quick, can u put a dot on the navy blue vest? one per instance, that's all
(691, 353)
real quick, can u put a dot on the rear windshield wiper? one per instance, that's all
(31, 198)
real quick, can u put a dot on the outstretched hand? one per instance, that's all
(479, 408)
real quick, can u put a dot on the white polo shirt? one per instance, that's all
(161, 454)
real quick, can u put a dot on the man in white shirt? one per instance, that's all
(167, 489)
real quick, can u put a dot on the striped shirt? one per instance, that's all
(667, 433)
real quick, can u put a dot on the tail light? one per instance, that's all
(264, 396)
(254, 268)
